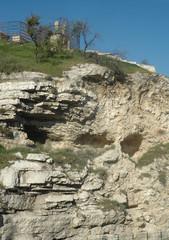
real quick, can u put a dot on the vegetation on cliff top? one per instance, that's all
(16, 57)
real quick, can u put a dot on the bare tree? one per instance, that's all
(83, 29)
(144, 61)
(64, 32)
(119, 53)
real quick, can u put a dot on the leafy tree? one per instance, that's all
(32, 25)
(46, 34)
(39, 34)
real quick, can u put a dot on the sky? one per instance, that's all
(139, 27)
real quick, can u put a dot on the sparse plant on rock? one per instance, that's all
(162, 177)
(69, 156)
(154, 152)
(7, 155)
(5, 132)
(108, 205)
(2, 186)
(100, 171)
(2, 110)
(144, 175)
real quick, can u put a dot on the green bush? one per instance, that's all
(10, 64)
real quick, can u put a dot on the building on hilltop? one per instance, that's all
(61, 33)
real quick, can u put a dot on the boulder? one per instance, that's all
(38, 157)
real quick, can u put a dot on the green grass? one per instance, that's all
(77, 159)
(16, 57)
(8, 155)
(129, 68)
(117, 66)
(154, 152)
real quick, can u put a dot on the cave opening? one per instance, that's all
(35, 134)
(131, 144)
(98, 141)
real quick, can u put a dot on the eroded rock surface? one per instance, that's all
(87, 107)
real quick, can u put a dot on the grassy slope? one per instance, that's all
(19, 57)
(15, 57)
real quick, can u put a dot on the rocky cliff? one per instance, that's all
(103, 171)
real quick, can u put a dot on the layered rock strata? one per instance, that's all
(86, 108)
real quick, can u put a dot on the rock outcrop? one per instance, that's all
(113, 122)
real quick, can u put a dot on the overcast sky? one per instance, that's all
(141, 27)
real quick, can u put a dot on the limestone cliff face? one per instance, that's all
(88, 108)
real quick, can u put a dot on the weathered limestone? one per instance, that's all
(38, 157)
(115, 122)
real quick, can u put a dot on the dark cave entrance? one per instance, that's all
(35, 134)
(131, 144)
(93, 140)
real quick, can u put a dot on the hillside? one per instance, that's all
(83, 153)
(16, 57)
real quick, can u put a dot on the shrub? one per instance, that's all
(11, 64)
(114, 65)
